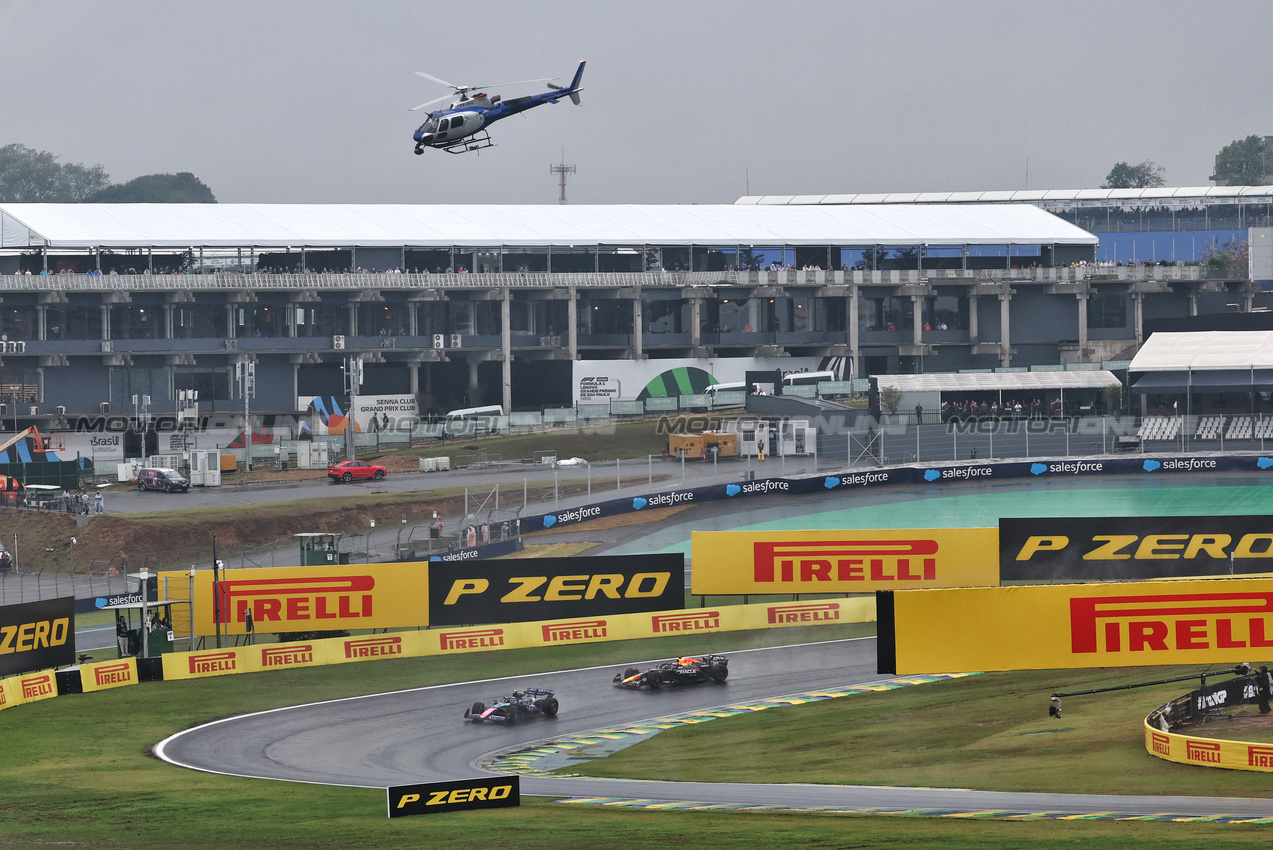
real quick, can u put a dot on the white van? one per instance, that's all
(470, 421)
(807, 379)
(713, 393)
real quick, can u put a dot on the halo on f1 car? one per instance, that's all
(687, 670)
(522, 705)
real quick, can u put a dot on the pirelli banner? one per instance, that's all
(842, 561)
(1064, 626)
(1105, 548)
(37, 635)
(303, 599)
(1208, 752)
(519, 590)
(457, 640)
(108, 674)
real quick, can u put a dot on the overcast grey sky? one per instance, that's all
(285, 101)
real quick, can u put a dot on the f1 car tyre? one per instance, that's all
(478, 708)
(549, 707)
(630, 672)
(654, 679)
(718, 672)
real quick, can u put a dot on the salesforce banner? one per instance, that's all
(1140, 464)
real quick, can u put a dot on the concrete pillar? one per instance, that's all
(413, 318)
(1138, 316)
(106, 321)
(42, 322)
(974, 335)
(854, 331)
(917, 326)
(352, 309)
(472, 372)
(1193, 302)
(1082, 303)
(1005, 354)
(696, 327)
(506, 344)
(168, 311)
(572, 322)
(637, 326)
(413, 370)
(229, 321)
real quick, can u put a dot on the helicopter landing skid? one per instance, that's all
(475, 142)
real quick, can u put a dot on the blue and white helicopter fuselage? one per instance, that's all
(462, 126)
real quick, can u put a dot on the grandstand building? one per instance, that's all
(1134, 225)
(101, 303)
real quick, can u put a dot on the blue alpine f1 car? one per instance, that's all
(522, 705)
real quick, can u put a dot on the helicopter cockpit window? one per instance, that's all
(429, 126)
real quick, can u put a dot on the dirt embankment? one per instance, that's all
(179, 538)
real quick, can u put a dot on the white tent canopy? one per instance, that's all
(1204, 351)
(953, 382)
(82, 226)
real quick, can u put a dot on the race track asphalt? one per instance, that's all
(419, 735)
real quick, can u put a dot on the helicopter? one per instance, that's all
(461, 126)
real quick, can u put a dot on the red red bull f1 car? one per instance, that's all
(679, 671)
(522, 705)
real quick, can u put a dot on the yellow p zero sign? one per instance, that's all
(301, 599)
(843, 561)
(1088, 625)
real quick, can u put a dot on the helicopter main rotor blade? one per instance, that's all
(443, 82)
(431, 102)
(515, 83)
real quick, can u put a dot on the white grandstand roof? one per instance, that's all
(1205, 351)
(1112, 197)
(73, 226)
(947, 382)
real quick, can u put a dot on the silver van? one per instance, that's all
(162, 478)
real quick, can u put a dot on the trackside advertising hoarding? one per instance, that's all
(489, 792)
(842, 561)
(108, 674)
(1138, 465)
(518, 590)
(37, 635)
(1131, 624)
(1105, 548)
(303, 599)
(1208, 752)
(464, 639)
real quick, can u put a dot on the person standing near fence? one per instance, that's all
(100, 501)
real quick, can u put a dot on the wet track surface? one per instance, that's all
(419, 735)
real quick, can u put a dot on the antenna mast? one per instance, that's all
(561, 170)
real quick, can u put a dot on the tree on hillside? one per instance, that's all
(180, 188)
(1147, 175)
(31, 176)
(1245, 162)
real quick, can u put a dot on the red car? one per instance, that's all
(348, 470)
